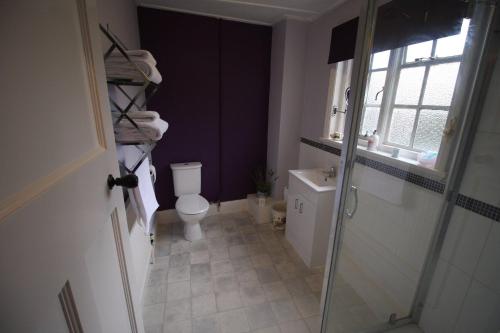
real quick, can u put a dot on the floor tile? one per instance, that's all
(200, 272)
(260, 316)
(251, 238)
(307, 304)
(248, 275)
(297, 326)
(217, 243)
(267, 274)
(297, 286)
(219, 254)
(276, 291)
(153, 314)
(271, 329)
(201, 287)
(181, 259)
(155, 295)
(203, 305)
(176, 274)
(262, 260)
(228, 301)
(234, 240)
(178, 290)
(200, 257)
(162, 249)
(178, 310)
(285, 310)
(183, 326)
(225, 282)
(242, 264)
(255, 249)
(180, 246)
(153, 329)
(234, 321)
(157, 276)
(287, 270)
(315, 282)
(199, 245)
(314, 324)
(221, 267)
(238, 251)
(208, 324)
(252, 293)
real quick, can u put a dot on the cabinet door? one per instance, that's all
(306, 215)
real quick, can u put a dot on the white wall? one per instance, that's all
(286, 96)
(465, 290)
(121, 16)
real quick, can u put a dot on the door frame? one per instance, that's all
(484, 52)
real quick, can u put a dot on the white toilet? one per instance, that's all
(190, 205)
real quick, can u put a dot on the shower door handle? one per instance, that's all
(350, 213)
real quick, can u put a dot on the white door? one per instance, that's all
(64, 253)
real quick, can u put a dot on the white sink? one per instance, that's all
(317, 179)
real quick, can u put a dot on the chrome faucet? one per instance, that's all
(331, 173)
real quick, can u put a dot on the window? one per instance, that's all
(409, 93)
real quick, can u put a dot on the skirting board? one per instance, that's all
(234, 206)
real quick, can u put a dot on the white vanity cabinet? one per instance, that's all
(309, 215)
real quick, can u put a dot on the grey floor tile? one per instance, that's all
(217, 243)
(307, 304)
(315, 282)
(238, 251)
(199, 245)
(178, 290)
(183, 326)
(180, 259)
(178, 310)
(228, 301)
(267, 274)
(208, 324)
(180, 246)
(221, 267)
(203, 305)
(181, 273)
(314, 324)
(260, 316)
(200, 257)
(155, 295)
(262, 260)
(271, 329)
(157, 276)
(242, 264)
(297, 326)
(201, 287)
(297, 286)
(252, 293)
(219, 254)
(247, 275)
(153, 314)
(256, 249)
(225, 282)
(200, 272)
(276, 291)
(234, 321)
(153, 329)
(288, 270)
(250, 237)
(162, 249)
(234, 240)
(285, 310)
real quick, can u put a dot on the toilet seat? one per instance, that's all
(191, 204)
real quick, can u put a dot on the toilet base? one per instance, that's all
(192, 231)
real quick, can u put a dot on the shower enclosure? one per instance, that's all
(419, 78)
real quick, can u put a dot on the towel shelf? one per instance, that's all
(136, 101)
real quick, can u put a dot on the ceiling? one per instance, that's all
(265, 12)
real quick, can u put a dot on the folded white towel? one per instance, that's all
(143, 115)
(135, 55)
(127, 71)
(125, 131)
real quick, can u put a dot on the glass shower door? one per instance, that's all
(409, 93)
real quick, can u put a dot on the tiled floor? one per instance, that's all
(241, 277)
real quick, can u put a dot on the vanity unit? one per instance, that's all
(311, 196)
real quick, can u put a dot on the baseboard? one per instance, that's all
(234, 206)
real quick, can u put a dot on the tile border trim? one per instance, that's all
(427, 183)
(479, 207)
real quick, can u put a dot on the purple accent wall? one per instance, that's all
(215, 81)
(245, 66)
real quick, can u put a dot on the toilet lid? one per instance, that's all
(191, 204)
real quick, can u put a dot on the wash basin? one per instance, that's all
(317, 179)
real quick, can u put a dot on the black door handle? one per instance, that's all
(128, 181)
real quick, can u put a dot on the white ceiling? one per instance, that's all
(265, 12)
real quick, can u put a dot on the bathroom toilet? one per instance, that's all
(190, 205)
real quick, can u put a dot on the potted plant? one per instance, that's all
(264, 182)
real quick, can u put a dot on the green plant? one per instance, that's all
(264, 180)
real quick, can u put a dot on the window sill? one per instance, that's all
(407, 164)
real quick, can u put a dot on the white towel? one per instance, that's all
(143, 115)
(127, 71)
(143, 197)
(135, 55)
(125, 131)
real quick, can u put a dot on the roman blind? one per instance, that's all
(400, 23)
